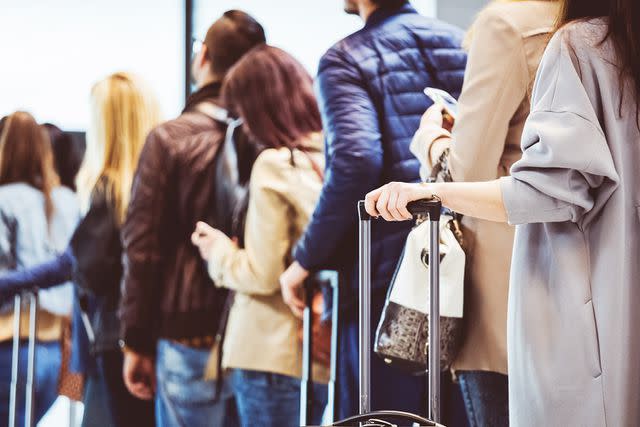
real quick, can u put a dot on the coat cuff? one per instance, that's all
(300, 255)
(223, 248)
(526, 205)
(421, 146)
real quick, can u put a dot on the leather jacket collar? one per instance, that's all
(210, 92)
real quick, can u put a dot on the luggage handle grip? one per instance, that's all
(429, 207)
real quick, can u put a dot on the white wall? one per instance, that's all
(305, 28)
(53, 51)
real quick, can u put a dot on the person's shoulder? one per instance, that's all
(583, 36)
(64, 195)
(407, 30)
(186, 126)
(339, 55)
(18, 197)
(579, 42)
(527, 18)
(66, 201)
(17, 191)
(273, 160)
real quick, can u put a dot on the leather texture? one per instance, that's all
(167, 292)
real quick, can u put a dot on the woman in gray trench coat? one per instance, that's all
(574, 303)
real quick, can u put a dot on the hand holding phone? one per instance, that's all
(446, 101)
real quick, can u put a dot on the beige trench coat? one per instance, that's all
(508, 42)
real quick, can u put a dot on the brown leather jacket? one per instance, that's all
(167, 292)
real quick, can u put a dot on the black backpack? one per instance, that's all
(233, 163)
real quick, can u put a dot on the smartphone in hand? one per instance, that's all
(445, 100)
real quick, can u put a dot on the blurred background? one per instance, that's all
(59, 48)
(53, 51)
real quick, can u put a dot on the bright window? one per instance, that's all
(52, 52)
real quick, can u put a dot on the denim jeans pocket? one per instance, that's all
(180, 372)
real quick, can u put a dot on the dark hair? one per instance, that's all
(67, 155)
(624, 32)
(273, 94)
(25, 156)
(230, 37)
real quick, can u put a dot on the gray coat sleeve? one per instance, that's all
(566, 157)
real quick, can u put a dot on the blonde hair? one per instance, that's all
(466, 43)
(123, 112)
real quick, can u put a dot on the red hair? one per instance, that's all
(273, 94)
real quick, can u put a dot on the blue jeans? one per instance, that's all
(486, 397)
(272, 400)
(47, 371)
(183, 397)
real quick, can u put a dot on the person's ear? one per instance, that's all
(203, 57)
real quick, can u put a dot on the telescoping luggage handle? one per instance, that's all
(31, 360)
(324, 278)
(428, 208)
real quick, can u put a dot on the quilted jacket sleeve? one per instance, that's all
(354, 159)
(42, 276)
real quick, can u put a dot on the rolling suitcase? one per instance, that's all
(321, 279)
(425, 209)
(31, 361)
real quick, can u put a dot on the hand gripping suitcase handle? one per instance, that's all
(426, 207)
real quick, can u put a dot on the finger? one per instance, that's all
(141, 391)
(128, 382)
(382, 204)
(370, 202)
(297, 311)
(296, 301)
(286, 293)
(433, 114)
(401, 206)
(145, 394)
(391, 206)
(447, 121)
(195, 238)
(203, 228)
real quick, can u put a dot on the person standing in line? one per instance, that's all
(37, 217)
(67, 155)
(371, 98)
(507, 41)
(574, 354)
(123, 112)
(170, 309)
(273, 94)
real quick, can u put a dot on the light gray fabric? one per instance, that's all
(25, 240)
(574, 303)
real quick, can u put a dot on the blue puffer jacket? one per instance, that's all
(371, 97)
